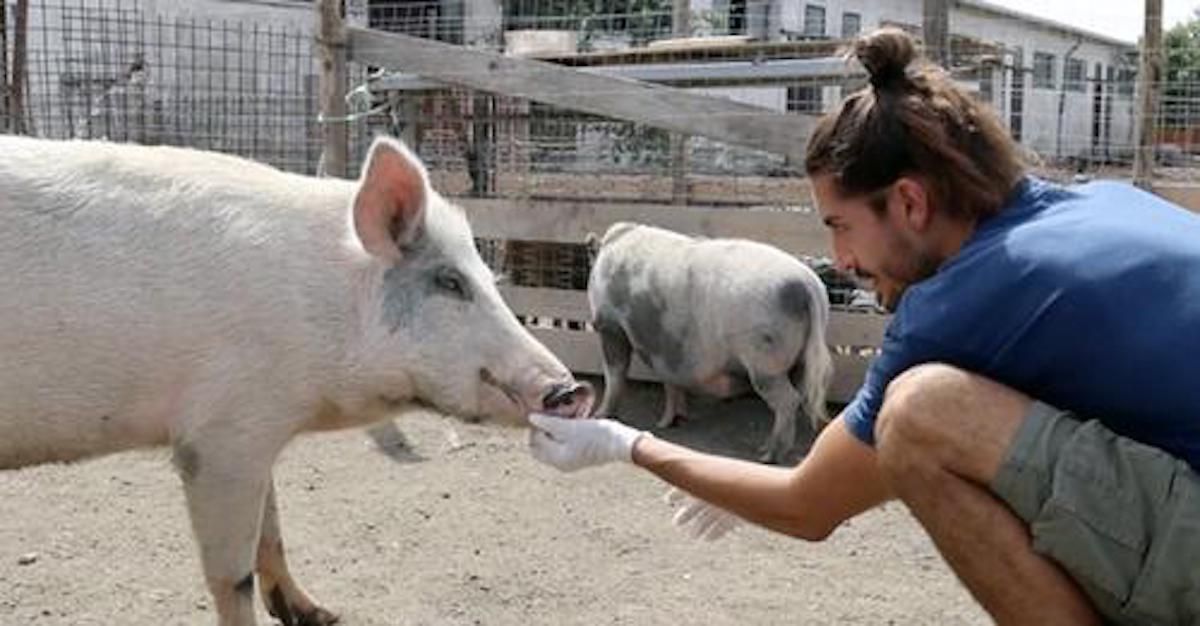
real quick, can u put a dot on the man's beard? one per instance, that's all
(916, 266)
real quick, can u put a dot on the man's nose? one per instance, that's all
(843, 260)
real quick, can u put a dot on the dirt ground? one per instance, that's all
(430, 521)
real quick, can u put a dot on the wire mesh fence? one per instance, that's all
(129, 71)
(240, 77)
(115, 70)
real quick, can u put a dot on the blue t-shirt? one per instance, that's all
(1086, 298)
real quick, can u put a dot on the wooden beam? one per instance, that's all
(717, 118)
(857, 330)
(580, 352)
(1186, 196)
(798, 232)
(331, 51)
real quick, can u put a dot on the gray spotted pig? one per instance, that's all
(718, 317)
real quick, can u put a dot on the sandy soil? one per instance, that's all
(430, 521)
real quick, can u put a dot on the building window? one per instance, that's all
(814, 21)
(1073, 79)
(987, 91)
(1126, 77)
(1043, 70)
(851, 25)
(805, 99)
(737, 17)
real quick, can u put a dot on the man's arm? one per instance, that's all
(838, 479)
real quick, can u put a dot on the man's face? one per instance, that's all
(887, 251)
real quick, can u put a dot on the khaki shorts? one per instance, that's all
(1122, 518)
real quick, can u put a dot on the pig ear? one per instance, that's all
(389, 207)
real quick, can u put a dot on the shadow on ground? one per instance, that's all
(737, 427)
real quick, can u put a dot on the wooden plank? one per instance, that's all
(563, 304)
(1186, 196)
(717, 118)
(857, 329)
(798, 232)
(580, 352)
(845, 329)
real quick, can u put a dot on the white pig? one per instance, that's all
(162, 296)
(713, 316)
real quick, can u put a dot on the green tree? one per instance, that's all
(1181, 89)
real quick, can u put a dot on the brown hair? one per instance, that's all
(913, 120)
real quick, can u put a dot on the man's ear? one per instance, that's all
(914, 202)
(389, 207)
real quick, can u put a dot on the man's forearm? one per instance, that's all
(751, 491)
(838, 480)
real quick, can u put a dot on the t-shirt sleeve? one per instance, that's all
(896, 355)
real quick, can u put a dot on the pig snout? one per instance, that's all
(564, 397)
(573, 399)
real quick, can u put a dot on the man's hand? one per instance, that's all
(573, 444)
(699, 518)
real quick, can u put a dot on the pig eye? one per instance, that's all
(451, 282)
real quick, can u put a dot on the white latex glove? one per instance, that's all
(699, 518)
(573, 444)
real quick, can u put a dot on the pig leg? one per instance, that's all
(779, 394)
(674, 406)
(282, 596)
(618, 353)
(225, 464)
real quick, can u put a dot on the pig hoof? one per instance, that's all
(315, 617)
(289, 615)
(318, 617)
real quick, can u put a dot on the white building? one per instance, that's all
(1065, 92)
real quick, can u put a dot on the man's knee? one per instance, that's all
(914, 402)
(938, 415)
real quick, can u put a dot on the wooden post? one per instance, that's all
(936, 31)
(681, 18)
(483, 28)
(410, 113)
(3, 67)
(331, 47)
(20, 65)
(681, 26)
(1149, 82)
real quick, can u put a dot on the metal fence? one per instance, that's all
(133, 71)
(240, 77)
(114, 70)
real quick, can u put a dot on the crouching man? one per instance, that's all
(1034, 404)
